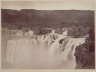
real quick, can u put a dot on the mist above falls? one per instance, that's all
(41, 52)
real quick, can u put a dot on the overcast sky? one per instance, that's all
(49, 5)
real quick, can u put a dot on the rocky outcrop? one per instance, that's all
(85, 56)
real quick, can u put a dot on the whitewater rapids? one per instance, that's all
(42, 52)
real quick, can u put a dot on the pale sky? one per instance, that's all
(49, 5)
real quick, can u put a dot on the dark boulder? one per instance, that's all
(84, 58)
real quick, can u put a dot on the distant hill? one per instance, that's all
(46, 18)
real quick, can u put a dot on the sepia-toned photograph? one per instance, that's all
(48, 34)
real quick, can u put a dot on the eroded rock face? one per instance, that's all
(85, 56)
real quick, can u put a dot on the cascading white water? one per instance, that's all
(42, 52)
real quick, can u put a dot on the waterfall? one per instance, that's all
(43, 52)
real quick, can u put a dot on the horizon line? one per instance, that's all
(46, 9)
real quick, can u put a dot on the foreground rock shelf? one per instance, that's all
(85, 56)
